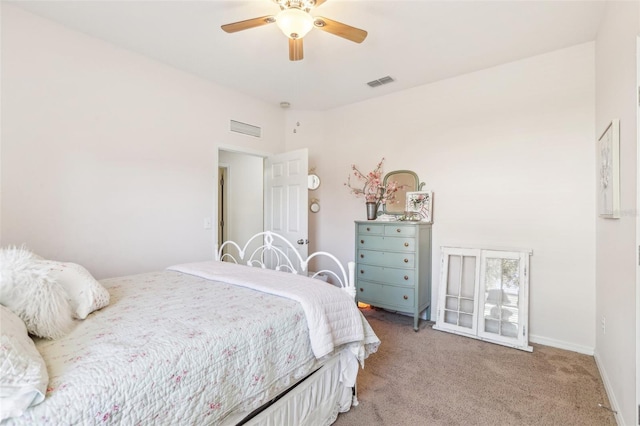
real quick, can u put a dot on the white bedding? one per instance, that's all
(332, 316)
(173, 348)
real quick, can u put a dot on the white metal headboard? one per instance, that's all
(281, 260)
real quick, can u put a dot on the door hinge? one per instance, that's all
(524, 330)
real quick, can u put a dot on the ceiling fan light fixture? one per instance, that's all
(294, 23)
(305, 5)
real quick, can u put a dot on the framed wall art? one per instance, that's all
(609, 171)
(420, 203)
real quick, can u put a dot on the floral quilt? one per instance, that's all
(173, 348)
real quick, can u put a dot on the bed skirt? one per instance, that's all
(315, 401)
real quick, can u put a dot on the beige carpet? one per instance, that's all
(436, 378)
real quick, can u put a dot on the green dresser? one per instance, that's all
(393, 266)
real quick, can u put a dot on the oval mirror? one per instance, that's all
(406, 181)
(314, 182)
(314, 206)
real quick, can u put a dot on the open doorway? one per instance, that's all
(240, 196)
(263, 192)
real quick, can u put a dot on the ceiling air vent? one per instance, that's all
(245, 129)
(380, 81)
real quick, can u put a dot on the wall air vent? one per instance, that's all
(245, 129)
(380, 81)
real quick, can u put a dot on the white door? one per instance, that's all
(286, 198)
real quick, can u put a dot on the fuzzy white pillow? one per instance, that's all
(84, 293)
(23, 373)
(29, 292)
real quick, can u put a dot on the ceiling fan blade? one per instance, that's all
(249, 23)
(341, 30)
(319, 3)
(295, 49)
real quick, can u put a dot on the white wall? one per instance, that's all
(0, 128)
(616, 97)
(109, 159)
(508, 152)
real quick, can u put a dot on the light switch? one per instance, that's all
(207, 223)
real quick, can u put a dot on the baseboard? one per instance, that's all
(560, 344)
(608, 390)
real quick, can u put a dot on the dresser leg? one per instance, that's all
(416, 318)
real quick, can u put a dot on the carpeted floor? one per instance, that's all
(436, 378)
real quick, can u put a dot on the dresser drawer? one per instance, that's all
(382, 258)
(370, 292)
(375, 242)
(398, 297)
(405, 277)
(399, 230)
(371, 229)
(403, 298)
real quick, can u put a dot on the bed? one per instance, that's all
(212, 343)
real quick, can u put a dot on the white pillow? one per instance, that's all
(85, 294)
(28, 291)
(23, 373)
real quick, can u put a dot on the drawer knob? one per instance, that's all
(361, 289)
(406, 278)
(406, 244)
(361, 271)
(406, 261)
(361, 241)
(362, 256)
(398, 230)
(405, 297)
(368, 229)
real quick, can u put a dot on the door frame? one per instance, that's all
(222, 201)
(637, 230)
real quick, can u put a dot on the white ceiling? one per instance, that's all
(415, 42)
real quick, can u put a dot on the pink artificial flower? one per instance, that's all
(373, 189)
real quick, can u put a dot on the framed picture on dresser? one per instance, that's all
(421, 204)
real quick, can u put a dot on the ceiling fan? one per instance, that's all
(295, 21)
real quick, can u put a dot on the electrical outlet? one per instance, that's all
(604, 325)
(207, 223)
